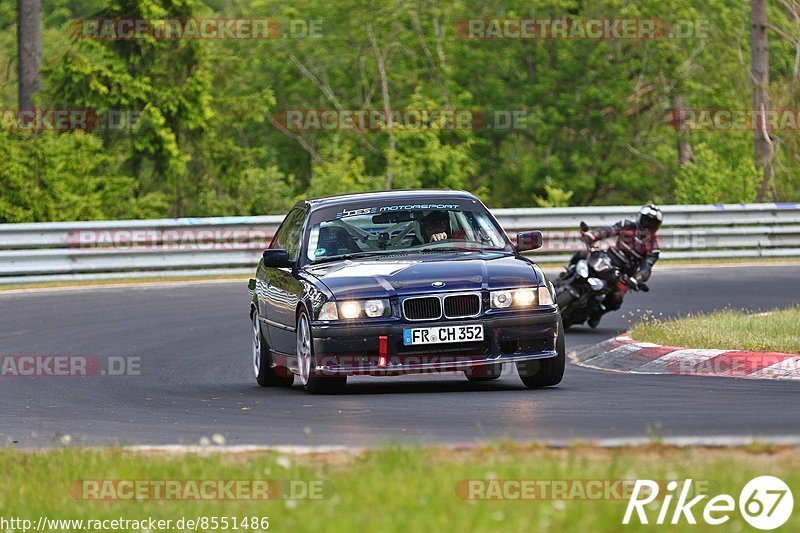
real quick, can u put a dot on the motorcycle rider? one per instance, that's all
(634, 253)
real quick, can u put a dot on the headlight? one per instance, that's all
(374, 308)
(349, 309)
(582, 268)
(524, 297)
(352, 309)
(501, 299)
(597, 284)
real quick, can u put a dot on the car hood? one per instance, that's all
(400, 276)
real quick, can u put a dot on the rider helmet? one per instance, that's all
(650, 218)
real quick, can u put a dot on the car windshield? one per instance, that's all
(362, 232)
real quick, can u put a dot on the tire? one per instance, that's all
(313, 383)
(266, 375)
(565, 299)
(545, 372)
(481, 373)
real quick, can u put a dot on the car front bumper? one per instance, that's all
(378, 349)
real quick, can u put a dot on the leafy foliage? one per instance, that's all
(593, 114)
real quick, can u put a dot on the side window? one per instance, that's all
(288, 235)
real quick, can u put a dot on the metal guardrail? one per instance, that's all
(232, 245)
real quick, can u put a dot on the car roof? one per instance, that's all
(409, 194)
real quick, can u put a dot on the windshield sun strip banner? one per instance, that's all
(344, 213)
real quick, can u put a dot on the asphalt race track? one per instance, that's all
(196, 377)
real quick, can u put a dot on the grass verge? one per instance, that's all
(775, 331)
(403, 489)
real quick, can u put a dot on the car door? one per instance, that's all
(283, 289)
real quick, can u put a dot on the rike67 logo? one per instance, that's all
(765, 503)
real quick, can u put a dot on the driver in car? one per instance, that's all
(435, 226)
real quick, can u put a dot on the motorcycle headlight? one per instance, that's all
(597, 284)
(582, 268)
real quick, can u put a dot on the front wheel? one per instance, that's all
(545, 372)
(266, 375)
(313, 382)
(565, 301)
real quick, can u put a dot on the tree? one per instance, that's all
(29, 49)
(759, 60)
(591, 116)
(175, 102)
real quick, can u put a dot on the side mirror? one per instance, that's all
(529, 240)
(584, 226)
(277, 258)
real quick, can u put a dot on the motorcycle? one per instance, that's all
(584, 285)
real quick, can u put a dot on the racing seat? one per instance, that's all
(336, 241)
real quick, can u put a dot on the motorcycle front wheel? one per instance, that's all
(565, 300)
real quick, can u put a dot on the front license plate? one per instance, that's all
(442, 334)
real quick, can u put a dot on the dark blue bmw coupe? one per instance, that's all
(401, 282)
